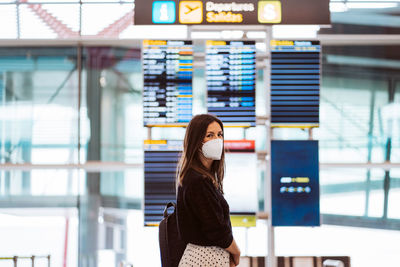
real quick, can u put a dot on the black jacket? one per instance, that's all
(202, 212)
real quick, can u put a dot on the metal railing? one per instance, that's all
(32, 258)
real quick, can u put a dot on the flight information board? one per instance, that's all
(295, 83)
(160, 162)
(295, 189)
(241, 194)
(167, 89)
(231, 79)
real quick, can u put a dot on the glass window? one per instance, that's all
(112, 108)
(355, 192)
(127, 184)
(352, 98)
(349, 111)
(394, 194)
(39, 114)
(375, 192)
(343, 191)
(40, 232)
(395, 152)
(42, 182)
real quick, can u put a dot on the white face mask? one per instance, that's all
(213, 149)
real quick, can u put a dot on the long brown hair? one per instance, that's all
(192, 145)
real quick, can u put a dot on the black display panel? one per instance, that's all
(167, 89)
(295, 183)
(160, 163)
(295, 83)
(231, 80)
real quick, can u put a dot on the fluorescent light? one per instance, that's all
(363, 61)
(294, 31)
(338, 7)
(345, 6)
(206, 35)
(155, 32)
(371, 5)
(232, 34)
(217, 34)
(256, 35)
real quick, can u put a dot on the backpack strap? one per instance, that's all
(165, 214)
(170, 204)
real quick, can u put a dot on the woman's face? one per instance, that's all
(213, 131)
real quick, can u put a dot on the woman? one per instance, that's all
(202, 211)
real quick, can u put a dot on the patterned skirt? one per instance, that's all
(195, 255)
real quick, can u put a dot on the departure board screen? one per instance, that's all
(295, 183)
(167, 89)
(295, 82)
(160, 162)
(231, 79)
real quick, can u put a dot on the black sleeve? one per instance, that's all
(201, 197)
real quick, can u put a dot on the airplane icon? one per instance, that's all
(190, 12)
(190, 9)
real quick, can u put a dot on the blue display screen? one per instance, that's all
(160, 162)
(295, 183)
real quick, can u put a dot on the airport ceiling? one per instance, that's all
(365, 21)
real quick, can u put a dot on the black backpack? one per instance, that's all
(171, 246)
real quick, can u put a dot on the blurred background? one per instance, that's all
(71, 134)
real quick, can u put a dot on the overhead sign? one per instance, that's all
(240, 146)
(243, 220)
(150, 12)
(295, 183)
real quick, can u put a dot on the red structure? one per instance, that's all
(114, 29)
(62, 30)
